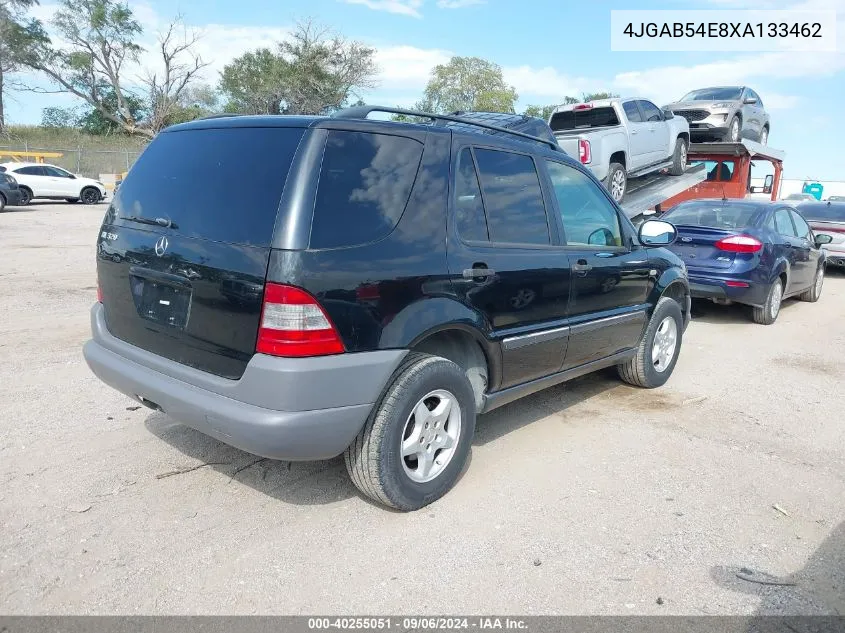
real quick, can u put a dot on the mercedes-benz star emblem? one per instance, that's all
(161, 246)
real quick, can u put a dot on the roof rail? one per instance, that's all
(219, 116)
(361, 112)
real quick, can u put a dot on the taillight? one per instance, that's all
(294, 324)
(583, 106)
(740, 244)
(585, 155)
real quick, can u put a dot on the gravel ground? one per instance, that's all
(589, 498)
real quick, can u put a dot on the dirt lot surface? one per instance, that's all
(592, 497)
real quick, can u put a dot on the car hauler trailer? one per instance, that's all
(728, 172)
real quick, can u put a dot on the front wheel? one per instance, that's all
(813, 293)
(90, 195)
(616, 181)
(764, 136)
(769, 311)
(416, 441)
(659, 348)
(734, 131)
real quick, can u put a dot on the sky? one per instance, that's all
(546, 48)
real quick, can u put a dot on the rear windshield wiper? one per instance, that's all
(165, 222)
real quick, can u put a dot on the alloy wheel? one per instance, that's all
(665, 342)
(431, 436)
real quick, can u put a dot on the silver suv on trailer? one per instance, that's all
(619, 139)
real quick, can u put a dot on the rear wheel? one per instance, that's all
(89, 195)
(2, 202)
(679, 158)
(659, 348)
(416, 441)
(813, 293)
(768, 312)
(616, 181)
(26, 197)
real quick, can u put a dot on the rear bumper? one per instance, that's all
(281, 408)
(834, 254)
(717, 288)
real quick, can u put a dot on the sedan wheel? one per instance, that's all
(90, 196)
(734, 130)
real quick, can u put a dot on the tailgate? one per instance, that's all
(184, 249)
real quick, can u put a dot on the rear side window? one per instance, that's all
(512, 197)
(469, 208)
(365, 182)
(632, 112)
(217, 184)
(584, 119)
(783, 224)
(31, 171)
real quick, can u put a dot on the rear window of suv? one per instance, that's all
(220, 184)
(365, 182)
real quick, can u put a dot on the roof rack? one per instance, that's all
(361, 112)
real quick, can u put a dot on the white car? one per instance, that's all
(38, 180)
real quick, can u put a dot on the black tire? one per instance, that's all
(764, 136)
(2, 202)
(374, 459)
(90, 195)
(641, 371)
(769, 311)
(679, 158)
(616, 181)
(729, 137)
(26, 197)
(813, 293)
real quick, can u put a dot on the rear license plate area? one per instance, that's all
(161, 303)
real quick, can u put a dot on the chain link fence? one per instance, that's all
(82, 161)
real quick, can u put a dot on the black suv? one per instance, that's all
(302, 287)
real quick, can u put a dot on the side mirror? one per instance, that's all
(823, 238)
(750, 100)
(656, 233)
(668, 114)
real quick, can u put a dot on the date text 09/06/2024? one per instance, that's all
(723, 30)
(417, 623)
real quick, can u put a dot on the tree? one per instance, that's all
(15, 35)
(59, 117)
(324, 70)
(541, 112)
(254, 83)
(595, 96)
(98, 47)
(168, 89)
(314, 72)
(468, 84)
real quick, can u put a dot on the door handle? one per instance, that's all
(581, 267)
(478, 272)
(603, 255)
(634, 132)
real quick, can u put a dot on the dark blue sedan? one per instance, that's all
(751, 252)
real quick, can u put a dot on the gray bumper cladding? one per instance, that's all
(281, 408)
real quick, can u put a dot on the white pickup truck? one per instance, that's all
(622, 138)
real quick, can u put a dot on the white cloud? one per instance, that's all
(401, 7)
(408, 67)
(546, 83)
(458, 4)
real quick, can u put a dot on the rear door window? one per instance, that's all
(365, 182)
(783, 224)
(31, 171)
(632, 112)
(512, 197)
(469, 207)
(220, 184)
